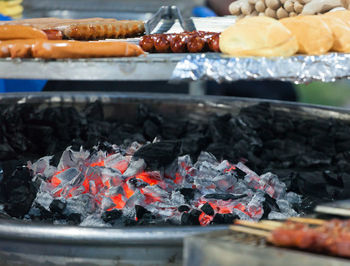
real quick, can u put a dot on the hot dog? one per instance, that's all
(15, 32)
(16, 48)
(76, 49)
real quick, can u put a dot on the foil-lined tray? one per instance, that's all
(296, 69)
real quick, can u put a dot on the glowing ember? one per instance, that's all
(116, 188)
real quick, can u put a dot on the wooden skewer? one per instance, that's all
(264, 226)
(250, 231)
(275, 224)
(312, 221)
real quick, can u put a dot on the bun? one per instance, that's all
(341, 33)
(258, 36)
(313, 34)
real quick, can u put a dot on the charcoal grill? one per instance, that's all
(38, 244)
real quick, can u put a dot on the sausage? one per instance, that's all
(12, 32)
(86, 29)
(4, 50)
(92, 29)
(16, 48)
(21, 50)
(178, 44)
(161, 44)
(195, 44)
(76, 49)
(54, 34)
(147, 43)
(213, 43)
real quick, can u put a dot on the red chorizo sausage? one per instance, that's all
(161, 44)
(178, 44)
(195, 44)
(213, 43)
(147, 43)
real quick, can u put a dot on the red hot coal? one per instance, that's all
(168, 170)
(114, 187)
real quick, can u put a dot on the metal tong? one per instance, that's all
(168, 15)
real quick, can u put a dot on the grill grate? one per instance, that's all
(108, 5)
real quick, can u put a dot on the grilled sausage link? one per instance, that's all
(213, 43)
(161, 44)
(147, 43)
(196, 44)
(102, 29)
(179, 44)
(16, 32)
(76, 49)
(193, 42)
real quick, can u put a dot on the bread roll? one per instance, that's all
(341, 33)
(313, 34)
(343, 15)
(258, 36)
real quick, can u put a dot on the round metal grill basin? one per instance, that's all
(41, 244)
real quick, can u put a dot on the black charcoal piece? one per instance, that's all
(191, 218)
(220, 128)
(145, 113)
(130, 222)
(188, 193)
(105, 146)
(94, 111)
(239, 173)
(148, 219)
(207, 209)
(74, 219)
(159, 154)
(226, 218)
(269, 205)
(333, 179)
(313, 158)
(150, 130)
(6, 152)
(19, 192)
(224, 196)
(57, 206)
(313, 184)
(140, 211)
(173, 129)
(183, 208)
(137, 183)
(112, 215)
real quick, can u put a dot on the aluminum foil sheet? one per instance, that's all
(297, 69)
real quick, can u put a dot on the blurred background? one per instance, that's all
(335, 94)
